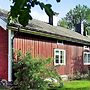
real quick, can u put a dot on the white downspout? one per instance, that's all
(9, 56)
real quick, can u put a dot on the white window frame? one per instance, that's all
(86, 47)
(59, 57)
(86, 63)
(60, 43)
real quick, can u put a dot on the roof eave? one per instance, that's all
(49, 35)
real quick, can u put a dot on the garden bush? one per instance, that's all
(30, 73)
(80, 76)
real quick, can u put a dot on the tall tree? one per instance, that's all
(21, 10)
(75, 16)
(63, 23)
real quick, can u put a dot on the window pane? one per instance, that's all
(57, 59)
(85, 58)
(63, 59)
(88, 58)
(61, 56)
(60, 61)
(57, 52)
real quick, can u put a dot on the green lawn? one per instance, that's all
(72, 85)
(76, 85)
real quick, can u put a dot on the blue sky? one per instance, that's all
(62, 8)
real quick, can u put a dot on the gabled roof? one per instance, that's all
(3, 18)
(44, 29)
(3, 13)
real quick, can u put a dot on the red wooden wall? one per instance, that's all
(44, 47)
(3, 54)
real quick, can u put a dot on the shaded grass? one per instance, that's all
(3, 88)
(76, 85)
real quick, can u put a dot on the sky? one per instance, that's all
(62, 8)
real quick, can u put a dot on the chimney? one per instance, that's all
(80, 27)
(53, 19)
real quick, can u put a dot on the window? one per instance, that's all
(59, 57)
(86, 58)
(59, 42)
(86, 47)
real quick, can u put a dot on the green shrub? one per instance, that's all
(30, 73)
(79, 76)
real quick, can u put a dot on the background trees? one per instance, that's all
(75, 16)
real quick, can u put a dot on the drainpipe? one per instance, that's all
(11, 36)
(9, 57)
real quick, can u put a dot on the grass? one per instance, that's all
(71, 85)
(76, 85)
(3, 88)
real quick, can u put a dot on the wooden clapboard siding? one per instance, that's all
(44, 47)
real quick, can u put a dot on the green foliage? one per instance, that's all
(21, 10)
(63, 23)
(30, 73)
(78, 14)
(75, 16)
(80, 75)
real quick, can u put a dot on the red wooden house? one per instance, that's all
(70, 50)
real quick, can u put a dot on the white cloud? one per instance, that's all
(39, 16)
(43, 17)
